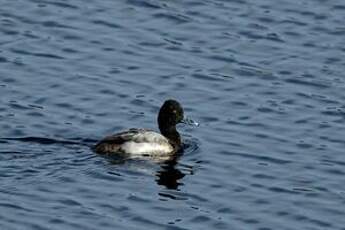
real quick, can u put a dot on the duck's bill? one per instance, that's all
(189, 121)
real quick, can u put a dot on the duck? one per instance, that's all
(146, 142)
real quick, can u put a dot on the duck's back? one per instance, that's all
(135, 142)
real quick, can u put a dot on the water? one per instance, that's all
(265, 80)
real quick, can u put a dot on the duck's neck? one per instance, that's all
(172, 135)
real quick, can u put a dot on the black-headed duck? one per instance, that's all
(136, 142)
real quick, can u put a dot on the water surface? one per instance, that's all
(264, 78)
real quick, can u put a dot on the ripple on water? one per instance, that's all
(264, 79)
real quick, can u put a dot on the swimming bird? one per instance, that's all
(144, 142)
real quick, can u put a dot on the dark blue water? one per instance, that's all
(264, 78)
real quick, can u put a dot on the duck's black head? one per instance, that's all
(170, 114)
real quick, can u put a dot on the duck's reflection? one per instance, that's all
(169, 175)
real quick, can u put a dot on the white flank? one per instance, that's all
(135, 148)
